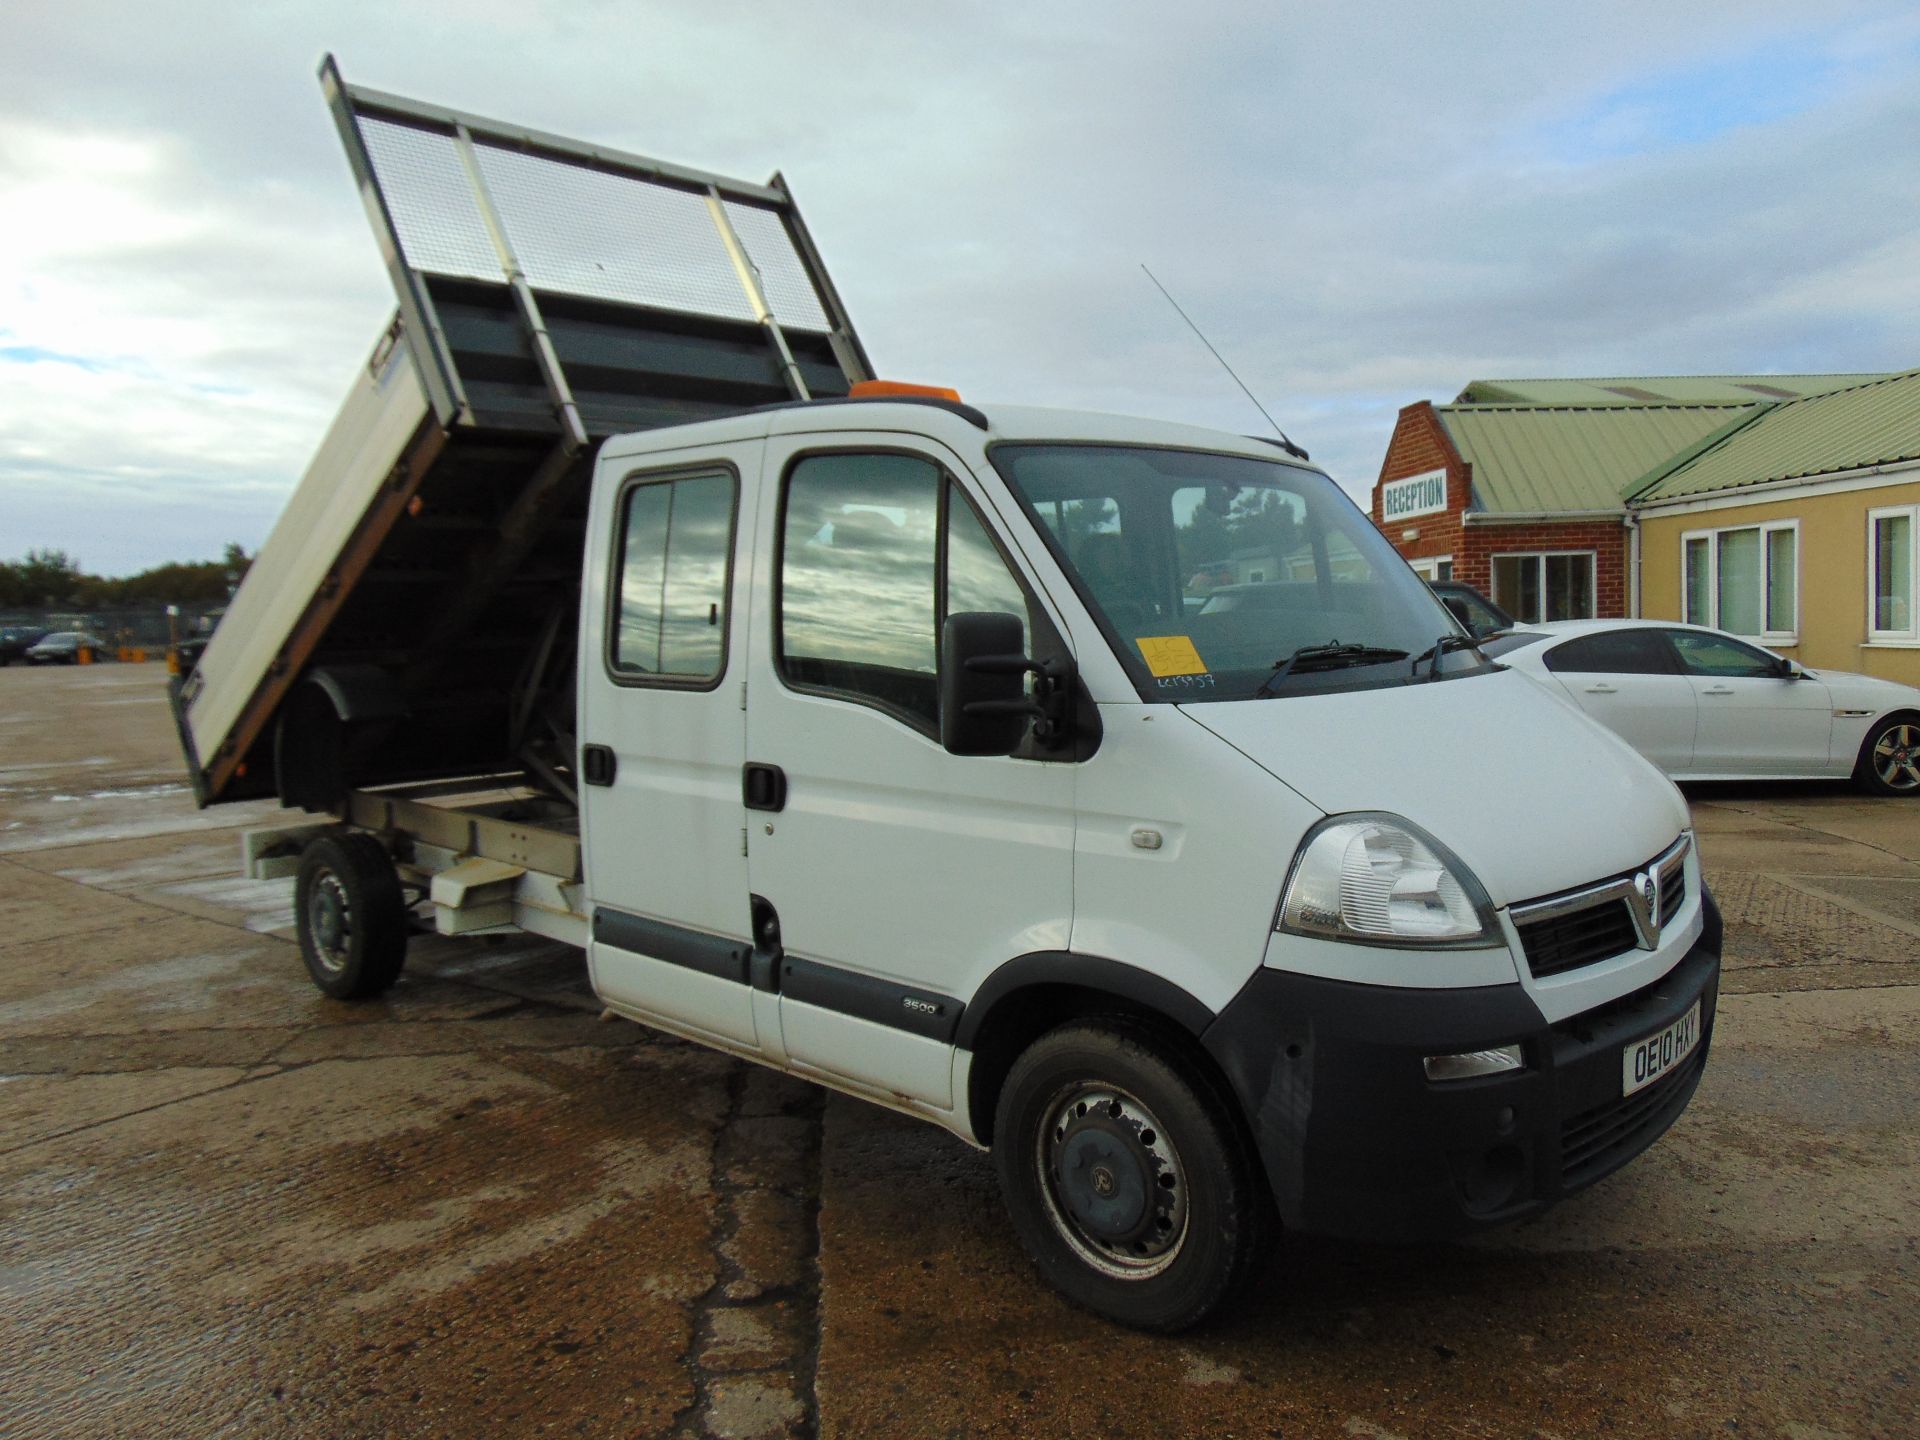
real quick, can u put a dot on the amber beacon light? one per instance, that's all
(875, 389)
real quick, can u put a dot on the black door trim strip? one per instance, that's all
(926, 1013)
(713, 955)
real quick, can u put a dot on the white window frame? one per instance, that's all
(1712, 619)
(1542, 556)
(1910, 635)
(1427, 567)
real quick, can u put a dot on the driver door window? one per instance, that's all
(863, 590)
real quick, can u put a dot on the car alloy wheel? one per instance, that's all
(1896, 757)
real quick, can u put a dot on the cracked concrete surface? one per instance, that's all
(229, 1206)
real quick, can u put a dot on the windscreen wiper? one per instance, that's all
(1446, 644)
(1333, 653)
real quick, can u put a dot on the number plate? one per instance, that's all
(1645, 1061)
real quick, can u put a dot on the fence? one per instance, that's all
(130, 627)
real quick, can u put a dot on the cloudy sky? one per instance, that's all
(1362, 205)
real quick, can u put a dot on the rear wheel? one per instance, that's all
(350, 915)
(1890, 759)
(1128, 1185)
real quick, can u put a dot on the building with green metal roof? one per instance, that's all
(1799, 527)
(1565, 498)
(1657, 390)
(1871, 424)
(1563, 459)
(1784, 507)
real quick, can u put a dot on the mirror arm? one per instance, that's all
(1051, 706)
(1002, 665)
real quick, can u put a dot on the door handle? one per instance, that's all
(1601, 690)
(597, 764)
(1718, 690)
(763, 787)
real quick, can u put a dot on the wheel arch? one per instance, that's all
(1035, 993)
(310, 750)
(1908, 713)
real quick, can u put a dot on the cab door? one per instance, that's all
(663, 735)
(1752, 719)
(898, 875)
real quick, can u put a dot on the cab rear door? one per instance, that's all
(663, 735)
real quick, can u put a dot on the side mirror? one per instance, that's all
(984, 705)
(984, 708)
(1791, 669)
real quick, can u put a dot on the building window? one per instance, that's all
(1552, 586)
(1745, 579)
(1893, 558)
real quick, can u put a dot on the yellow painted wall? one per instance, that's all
(1833, 574)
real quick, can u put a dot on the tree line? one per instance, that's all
(53, 579)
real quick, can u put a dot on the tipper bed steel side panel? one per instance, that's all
(551, 294)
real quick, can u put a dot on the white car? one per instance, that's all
(1704, 705)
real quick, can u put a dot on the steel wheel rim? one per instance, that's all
(330, 922)
(1896, 757)
(1090, 1126)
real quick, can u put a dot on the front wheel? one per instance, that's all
(350, 915)
(1890, 759)
(1128, 1185)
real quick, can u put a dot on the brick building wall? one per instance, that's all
(1420, 444)
(1607, 539)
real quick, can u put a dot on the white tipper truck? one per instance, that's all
(1106, 791)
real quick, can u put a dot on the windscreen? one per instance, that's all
(1224, 577)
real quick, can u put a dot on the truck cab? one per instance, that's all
(1296, 910)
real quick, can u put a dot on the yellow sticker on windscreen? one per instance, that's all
(1171, 655)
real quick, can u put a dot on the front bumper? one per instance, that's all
(1357, 1142)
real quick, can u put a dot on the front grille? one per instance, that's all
(1583, 927)
(1595, 1141)
(1583, 937)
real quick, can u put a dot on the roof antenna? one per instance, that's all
(1285, 443)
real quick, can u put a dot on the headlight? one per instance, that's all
(1381, 880)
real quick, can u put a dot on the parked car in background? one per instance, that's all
(62, 647)
(1704, 705)
(1472, 609)
(15, 639)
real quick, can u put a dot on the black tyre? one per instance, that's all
(1127, 1180)
(350, 915)
(1889, 761)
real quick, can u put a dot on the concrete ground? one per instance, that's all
(229, 1206)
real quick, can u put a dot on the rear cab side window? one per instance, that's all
(876, 549)
(1615, 652)
(671, 581)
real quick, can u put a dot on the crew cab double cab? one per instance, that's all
(878, 737)
(896, 795)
